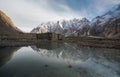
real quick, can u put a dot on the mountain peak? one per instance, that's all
(85, 20)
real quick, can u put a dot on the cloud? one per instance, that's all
(102, 6)
(94, 8)
(27, 14)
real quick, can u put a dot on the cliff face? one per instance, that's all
(6, 25)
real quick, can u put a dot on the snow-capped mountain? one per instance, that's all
(106, 25)
(65, 27)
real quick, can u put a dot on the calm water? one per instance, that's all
(59, 60)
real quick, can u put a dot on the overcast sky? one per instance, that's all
(27, 14)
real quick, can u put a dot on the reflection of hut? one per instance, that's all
(49, 45)
(49, 36)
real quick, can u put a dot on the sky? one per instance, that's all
(28, 14)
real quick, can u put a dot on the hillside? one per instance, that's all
(6, 25)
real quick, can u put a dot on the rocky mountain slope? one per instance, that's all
(6, 25)
(107, 25)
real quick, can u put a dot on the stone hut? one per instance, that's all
(49, 36)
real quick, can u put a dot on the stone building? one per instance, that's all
(49, 36)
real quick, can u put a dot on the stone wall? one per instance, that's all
(49, 36)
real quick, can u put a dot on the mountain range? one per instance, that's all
(106, 25)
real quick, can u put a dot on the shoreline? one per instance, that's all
(90, 42)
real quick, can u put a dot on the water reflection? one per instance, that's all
(92, 62)
(62, 60)
(6, 54)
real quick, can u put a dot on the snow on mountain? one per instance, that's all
(65, 27)
(114, 13)
(106, 25)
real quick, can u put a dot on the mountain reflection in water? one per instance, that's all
(59, 60)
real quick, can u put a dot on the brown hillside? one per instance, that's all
(6, 25)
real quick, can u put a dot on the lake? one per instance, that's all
(59, 60)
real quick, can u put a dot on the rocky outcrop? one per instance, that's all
(6, 25)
